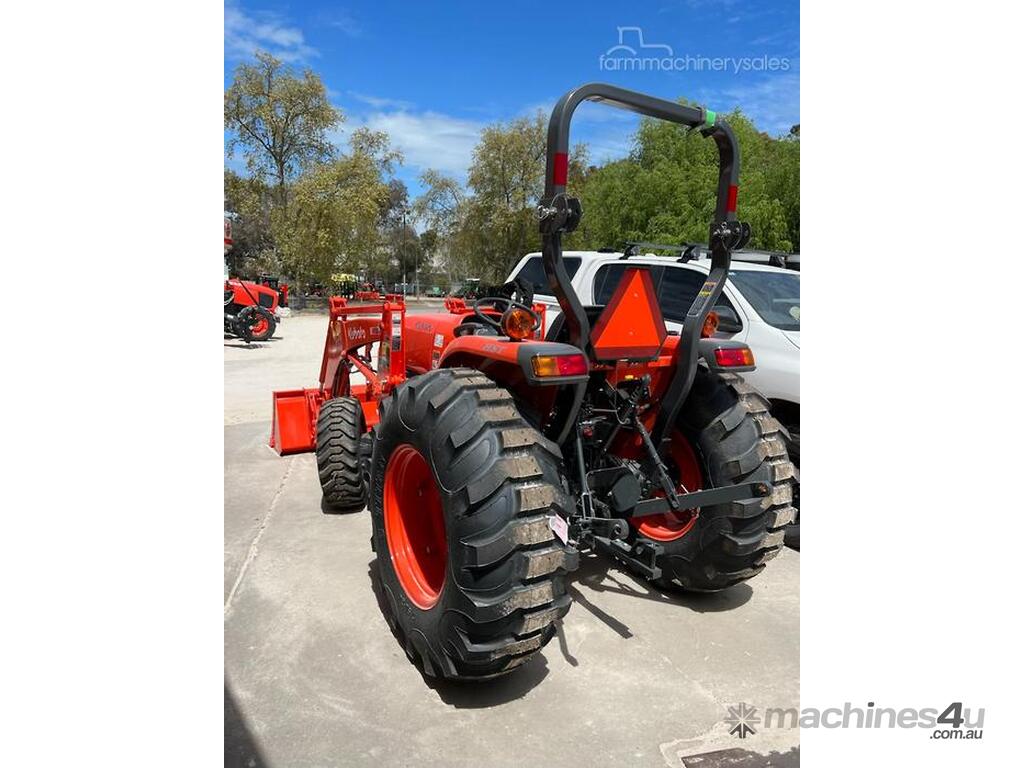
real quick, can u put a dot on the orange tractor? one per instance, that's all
(490, 457)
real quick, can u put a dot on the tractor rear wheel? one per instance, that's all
(461, 492)
(725, 436)
(339, 428)
(791, 436)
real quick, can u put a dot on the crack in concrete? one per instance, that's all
(255, 544)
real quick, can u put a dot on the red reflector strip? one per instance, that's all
(730, 203)
(734, 357)
(561, 173)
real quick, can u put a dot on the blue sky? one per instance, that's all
(433, 74)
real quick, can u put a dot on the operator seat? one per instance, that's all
(560, 332)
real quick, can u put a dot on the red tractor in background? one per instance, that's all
(274, 283)
(490, 457)
(250, 309)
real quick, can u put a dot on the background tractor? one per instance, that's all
(491, 457)
(250, 309)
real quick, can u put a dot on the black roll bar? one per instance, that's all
(560, 214)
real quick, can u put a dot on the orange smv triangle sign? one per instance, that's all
(631, 325)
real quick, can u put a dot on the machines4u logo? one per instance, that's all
(742, 718)
(954, 721)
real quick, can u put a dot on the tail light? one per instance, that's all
(545, 366)
(734, 357)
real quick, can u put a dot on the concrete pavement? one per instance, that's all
(314, 677)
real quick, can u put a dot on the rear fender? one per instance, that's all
(507, 362)
(510, 364)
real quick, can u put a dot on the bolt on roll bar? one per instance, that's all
(694, 117)
(560, 214)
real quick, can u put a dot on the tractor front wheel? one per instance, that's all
(461, 492)
(264, 326)
(339, 428)
(725, 436)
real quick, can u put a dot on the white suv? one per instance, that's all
(760, 305)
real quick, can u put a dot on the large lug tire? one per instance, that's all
(453, 442)
(736, 441)
(339, 429)
(791, 436)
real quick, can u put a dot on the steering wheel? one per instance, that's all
(497, 302)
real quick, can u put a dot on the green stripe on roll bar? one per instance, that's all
(709, 117)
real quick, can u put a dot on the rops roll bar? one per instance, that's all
(560, 214)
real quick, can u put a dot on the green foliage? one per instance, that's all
(665, 190)
(330, 222)
(507, 178)
(278, 118)
(376, 145)
(440, 205)
(250, 202)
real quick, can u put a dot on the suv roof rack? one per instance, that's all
(690, 251)
(632, 248)
(771, 258)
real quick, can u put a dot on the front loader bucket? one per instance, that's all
(294, 420)
(351, 333)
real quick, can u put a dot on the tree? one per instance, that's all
(332, 220)
(279, 119)
(440, 205)
(665, 190)
(507, 179)
(442, 208)
(376, 145)
(248, 201)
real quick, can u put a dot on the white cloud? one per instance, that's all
(381, 102)
(444, 142)
(245, 33)
(427, 139)
(344, 21)
(773, 103)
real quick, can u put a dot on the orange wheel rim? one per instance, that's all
(687, 472)
(414, 526)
